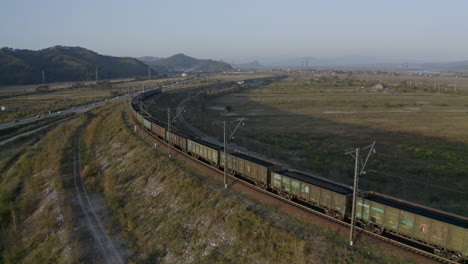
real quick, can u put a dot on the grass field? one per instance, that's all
(24, 101)
(36, 216)
(421, 139)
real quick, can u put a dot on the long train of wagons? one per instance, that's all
(444, 233)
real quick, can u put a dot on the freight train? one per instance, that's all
(444, 233)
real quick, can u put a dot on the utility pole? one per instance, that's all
(355, 187)
(43, 77)
(357, 172)
(96, 73)
(225, 139)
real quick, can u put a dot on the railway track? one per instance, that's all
(295, 204)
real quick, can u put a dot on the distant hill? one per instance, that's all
(184, 63)
(447, 66)
(64, 64)
(249, 65)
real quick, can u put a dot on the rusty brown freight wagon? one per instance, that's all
(251, 167)
(445, 232)
(335, 199)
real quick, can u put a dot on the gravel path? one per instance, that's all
(102, 247)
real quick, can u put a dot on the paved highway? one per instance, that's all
(77, 110)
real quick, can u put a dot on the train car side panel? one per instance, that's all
(439, 232)
(305, 191)
(339, 203)
(286, 184)
(205, 152)
(422, 227)
(295, 188)
(176, 140)
(464, 246)
(363, 209)
(314, 194)
(406, 223)
(262, 174)
(147, 123)
(139, 117)
(377, 213)
(276, 182)
(325, 199)
(158, 130)
(391, 218)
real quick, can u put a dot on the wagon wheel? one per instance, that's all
(455, 257)
(338, 216)
(378, 230)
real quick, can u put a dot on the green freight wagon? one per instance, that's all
(335, 199)
(251, 167)
(204, 150)
(177, 139)
(158, 128)
(138, 117)
(447, 233)
(146, 123)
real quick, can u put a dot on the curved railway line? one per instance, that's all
(412, 247)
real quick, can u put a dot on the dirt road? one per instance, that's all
(103, 247)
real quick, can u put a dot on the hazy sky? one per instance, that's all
(234, 30)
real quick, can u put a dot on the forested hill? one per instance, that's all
(183, 63)
(61, 63)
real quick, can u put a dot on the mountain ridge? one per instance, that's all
(183, 63)
(63, 63)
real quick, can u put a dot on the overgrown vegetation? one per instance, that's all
(36, 215)
(174, 214)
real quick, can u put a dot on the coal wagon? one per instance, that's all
(177, 139)
(250, 167)
(334, 198)
(158, 128)
(204, 150)
(446, 233)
